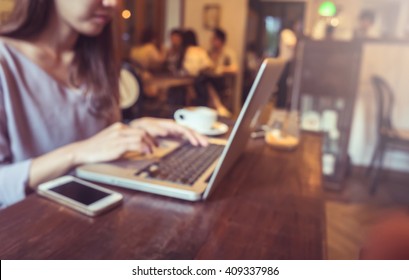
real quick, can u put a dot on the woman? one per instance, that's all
(59, 95)
(195, 59)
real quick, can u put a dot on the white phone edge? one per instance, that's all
(92, 210)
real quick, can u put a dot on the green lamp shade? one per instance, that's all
(327, 9)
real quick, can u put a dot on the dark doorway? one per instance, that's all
(266, 20)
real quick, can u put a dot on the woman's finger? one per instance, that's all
(187, 133)
(149, 141)
(203, 141)
(130, 144)
(136, 133)
(194, 137)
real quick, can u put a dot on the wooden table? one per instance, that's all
(270, 206)
(164, 82)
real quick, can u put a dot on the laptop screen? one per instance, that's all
(263, 87)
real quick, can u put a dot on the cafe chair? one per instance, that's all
(130, 92)
(388, 137)
(228, 93)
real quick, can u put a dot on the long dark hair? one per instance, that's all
(96, 60)
(189, 39)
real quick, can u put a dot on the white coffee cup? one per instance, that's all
(200, 119)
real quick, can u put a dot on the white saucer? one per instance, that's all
(218, 128)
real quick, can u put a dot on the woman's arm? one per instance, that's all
(107, 145)
(13, 180)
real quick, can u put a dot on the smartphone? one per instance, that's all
(83, 196)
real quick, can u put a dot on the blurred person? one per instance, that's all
(224, 58)
(195, 59)
(252, 59)
(59, 95)
(147, 54)
(148, 59)
(225, 64)
(365, 28)
(174, 53)
(288, 41)
(287, 46)
(194, 62)
(252, 62)
(197, 63)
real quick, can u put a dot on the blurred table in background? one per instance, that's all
(165, 82)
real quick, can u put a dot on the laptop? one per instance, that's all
(179, 170)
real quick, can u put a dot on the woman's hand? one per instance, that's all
(112, 143)
(165, 127)
(109, 144)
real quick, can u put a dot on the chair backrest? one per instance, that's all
(131, 92)
(384, 102)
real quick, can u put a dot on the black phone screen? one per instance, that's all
(80, 193)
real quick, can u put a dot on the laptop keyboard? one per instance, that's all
(184, 165)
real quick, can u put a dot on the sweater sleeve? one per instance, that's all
(13, 176)
(13, 181)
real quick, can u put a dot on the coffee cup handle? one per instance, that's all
(179, 115)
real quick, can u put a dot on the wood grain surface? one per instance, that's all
(269, 206)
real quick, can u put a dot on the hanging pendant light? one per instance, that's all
(327, 9)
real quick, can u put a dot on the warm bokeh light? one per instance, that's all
(126, 14)
(334, 22)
